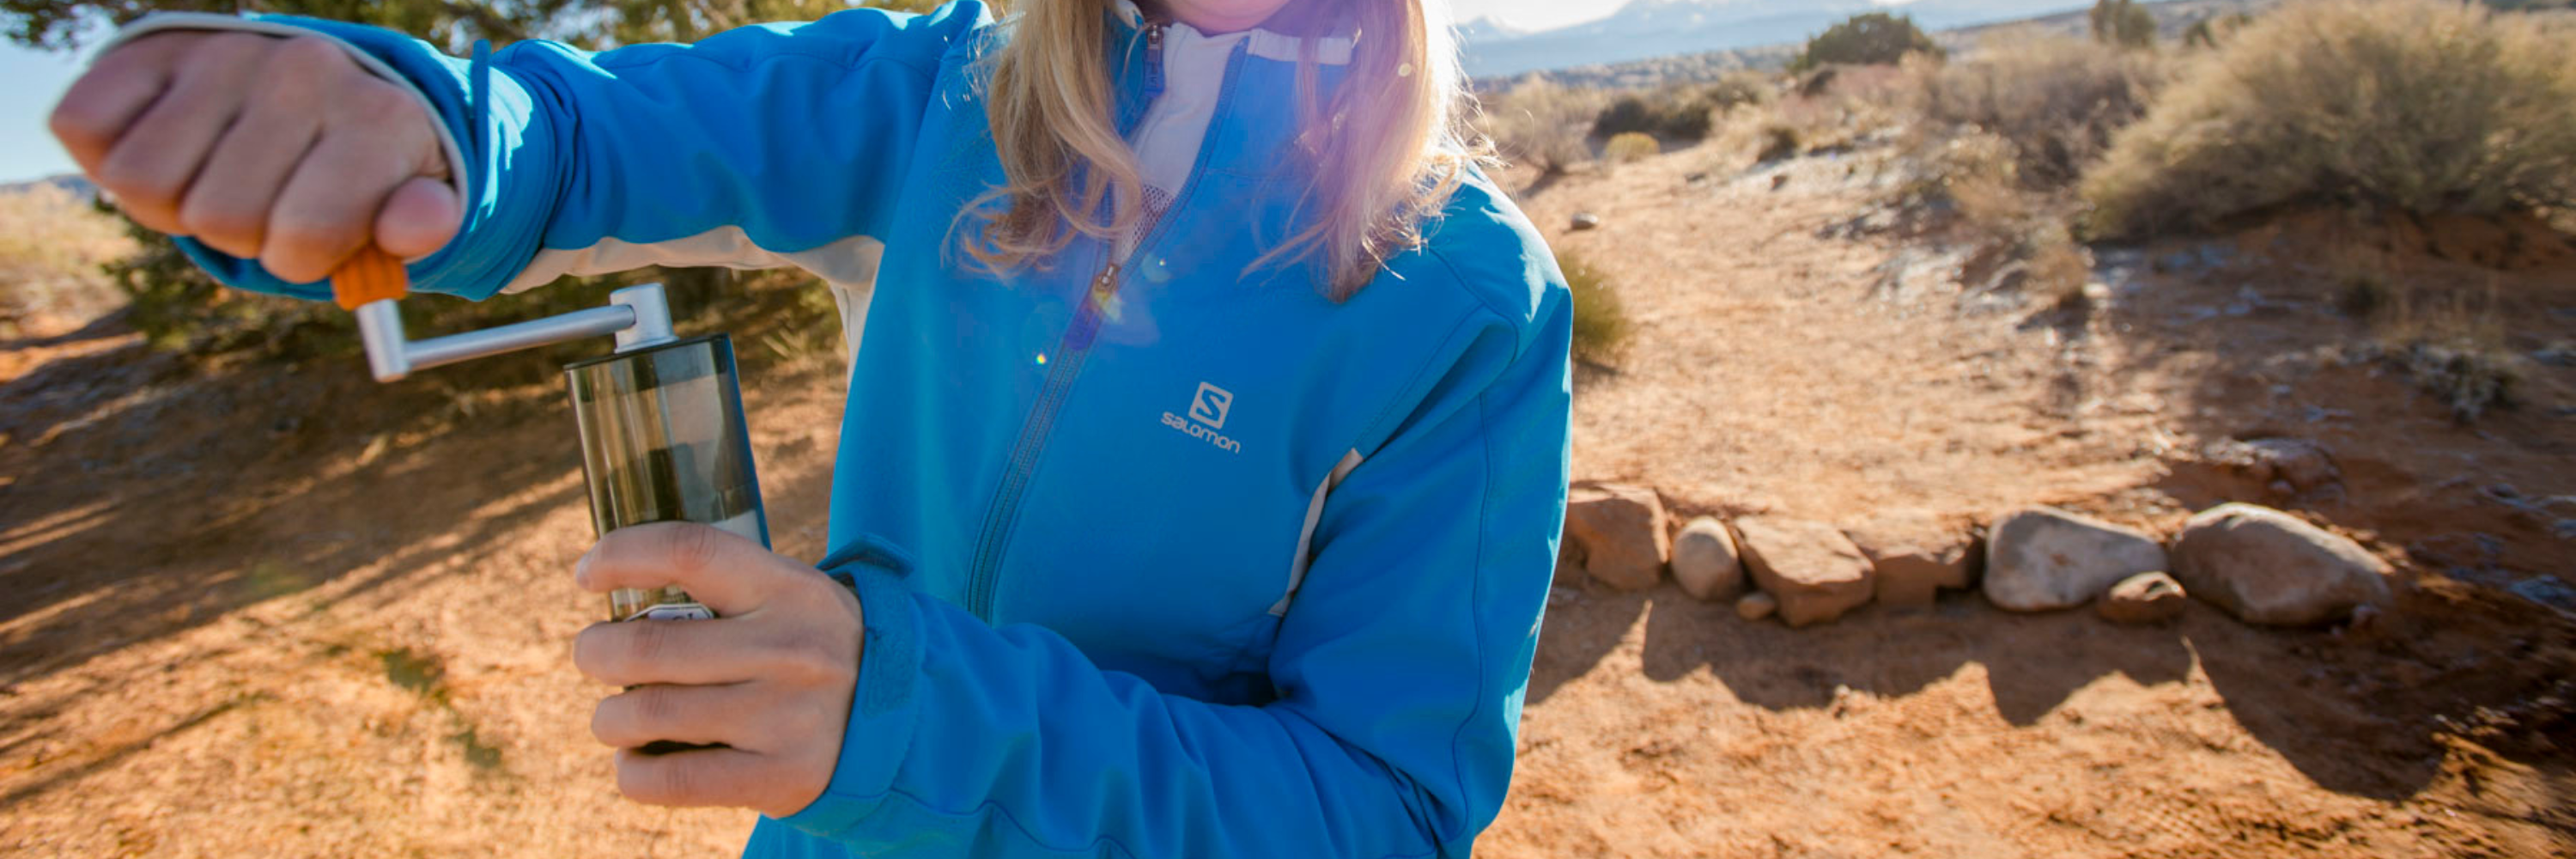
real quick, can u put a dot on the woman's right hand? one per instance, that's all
(278, 149)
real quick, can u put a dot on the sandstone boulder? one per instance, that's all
(1618, 533)
(2043, 558)
(1705, 561)
(1915, 554)
(2301, 464)
(2143, 598)
(1756, 606)
(1811, 568)
(2265, 566)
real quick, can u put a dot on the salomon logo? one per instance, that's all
(1210, 406)
(1208, 411)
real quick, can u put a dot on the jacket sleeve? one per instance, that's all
(711, 154)
(1400, 670)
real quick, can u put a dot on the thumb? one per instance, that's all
(420, 218)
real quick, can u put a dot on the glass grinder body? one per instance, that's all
(662, 432)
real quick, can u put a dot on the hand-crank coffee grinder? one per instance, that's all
(662, 432)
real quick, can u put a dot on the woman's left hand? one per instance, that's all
(770, 678)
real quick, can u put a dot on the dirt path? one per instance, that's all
(250, 618)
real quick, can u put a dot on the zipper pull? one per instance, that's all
(1153, 59)
(1105, 285)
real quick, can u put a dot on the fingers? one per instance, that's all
(740, 716)
(279, 149)
(694, 652)
(154, 160)
(228, 207)
(421, 217)
(106, 100)
(728, 573)
(709, 777)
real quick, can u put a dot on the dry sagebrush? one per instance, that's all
(2417, 105)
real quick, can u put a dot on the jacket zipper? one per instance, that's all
(1071, 352)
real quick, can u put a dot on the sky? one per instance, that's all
(38, 78)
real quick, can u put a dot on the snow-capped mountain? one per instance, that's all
(1654, 28)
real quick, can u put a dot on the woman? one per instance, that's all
(1205, 455)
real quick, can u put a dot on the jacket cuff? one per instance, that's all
(883, 709)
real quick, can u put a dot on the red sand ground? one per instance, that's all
(255, 612)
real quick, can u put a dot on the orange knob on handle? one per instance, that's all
(369, 277)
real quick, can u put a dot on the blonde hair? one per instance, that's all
(1385, 152)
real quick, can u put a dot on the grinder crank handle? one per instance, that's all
(371, 276)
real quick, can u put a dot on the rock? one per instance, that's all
(1586, 221)
(1620, 534)
(1813, 570)
(2043, 558)
(2301, 463)
(1914, 554)
(1756, 606)
(2143, 598)
(1705, 561)
(2265, 566)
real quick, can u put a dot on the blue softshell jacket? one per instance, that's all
(1159, 557)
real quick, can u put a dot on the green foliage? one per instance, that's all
(1868, 39)
(2124, 23)
(2413, 105)
(1600, 322)
(1632, 146)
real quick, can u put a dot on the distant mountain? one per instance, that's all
(77, 184)
(1655, 28)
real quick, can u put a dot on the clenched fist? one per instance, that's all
(278, 149)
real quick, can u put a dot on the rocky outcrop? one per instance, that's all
(1914, 554)
(2043, 558)
(2142, 599)
(1705, 561)
(1616, 534)
(1812, 569)
(2268, 567)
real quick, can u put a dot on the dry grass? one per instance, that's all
(2452, 343)
(1541, 123)
(2416, 105)
(51, 246)
(2057, 100)
(1631, 147)
(1600, 322)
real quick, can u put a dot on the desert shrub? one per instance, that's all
(2056, 100)
(1680, 114)
(1632, 146)
(1872, 38)
(52, 243)
(1739, 89)
(2124, 23)
(1600, 323)
(1541, 123)
(1780, 140)
(2207, 33)
(2416, 105)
